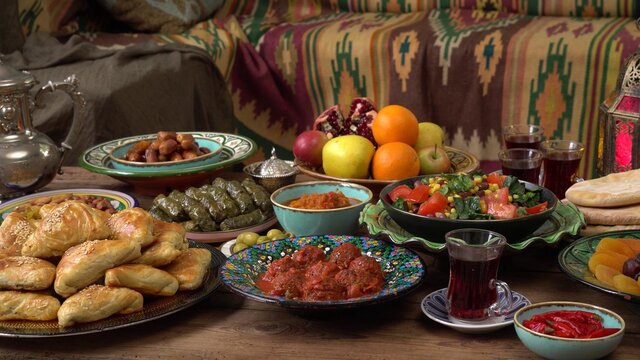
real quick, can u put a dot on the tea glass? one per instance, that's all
(561, 159)
(521, 163)
(472, 294)
(522, 136)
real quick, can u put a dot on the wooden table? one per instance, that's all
(228, 326)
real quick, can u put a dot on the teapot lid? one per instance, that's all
(12, 79)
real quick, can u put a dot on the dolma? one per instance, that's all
(259, 195)
(241, 196)
(251, 218)
(158, 214)
(191, 226)
(208, 202)
(226, 203)
(195, 210)
(170, 207)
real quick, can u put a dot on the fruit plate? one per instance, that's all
(461, 162)
(222, 236)
(403, 269)
(235, 149)
(574, 260)
(118, 200)
(566, 220)
(154, 308)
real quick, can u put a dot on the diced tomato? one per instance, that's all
(536, 209)
(496, 178)
(436, 203)
(501, 210)
(400, 191)
(500, 196)
(418, 195)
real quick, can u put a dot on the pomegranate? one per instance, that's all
(308, 147)
(361, 114)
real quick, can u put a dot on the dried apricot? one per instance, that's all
(634, 244)
(615, 245)
(605, 274)
(626, 284)
(610, 260)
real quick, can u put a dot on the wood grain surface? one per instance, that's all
(227, 326)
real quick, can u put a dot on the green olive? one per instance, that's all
(288, 235)
(248, 238)
(263, 239)
(275, 234)
(239, 247)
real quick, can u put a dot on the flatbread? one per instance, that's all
(617, 189)
(624, 215)
(599, 229)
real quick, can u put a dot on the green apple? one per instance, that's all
(429, 134)
(434, 160)
(347, 156)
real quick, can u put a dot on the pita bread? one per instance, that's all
(617, 189)
(599, 229)
(624, 215)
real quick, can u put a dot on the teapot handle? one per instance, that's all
(70, 86)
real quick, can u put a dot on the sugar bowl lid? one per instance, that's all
(274, 166)
(12, 79)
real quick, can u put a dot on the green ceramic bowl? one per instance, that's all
(119, 153)
(553, 347)
(302, 222)
(435, 228)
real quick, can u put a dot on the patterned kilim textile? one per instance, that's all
(471, 66)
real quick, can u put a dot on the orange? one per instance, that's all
(395, 123)
(395, 161)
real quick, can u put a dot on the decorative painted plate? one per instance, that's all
(118, 200)
(574, 261)
(154, 308)
(565, 220)
(235, 149)
(403, 269)
(222, 236)
(434, 306)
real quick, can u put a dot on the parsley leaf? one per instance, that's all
(460, 183)
(400, 203)
(469, 209)
(520, 194)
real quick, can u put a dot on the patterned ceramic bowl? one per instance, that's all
(402, 268)
(338, 221)
(119, 153)
(553, 347)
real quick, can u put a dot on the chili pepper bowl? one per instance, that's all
(555, 347)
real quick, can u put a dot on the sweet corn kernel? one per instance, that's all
(487, 192)
(450, 199)
(475, 189)
(484, 176)
(510, 198)
(457, 196)
(436, 186)
(432, 180)
(453, 211)
(477, 179)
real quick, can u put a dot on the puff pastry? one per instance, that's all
(145, 279)
(17, 305)
(190, 268)
(98, 302)
(169, 241)
(26, 273)
(132, 224)
(14, 232)
(68, 224)
(84, 264)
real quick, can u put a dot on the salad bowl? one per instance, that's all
(435, 228)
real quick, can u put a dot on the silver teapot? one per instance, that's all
(29, 159)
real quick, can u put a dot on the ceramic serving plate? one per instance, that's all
(222, 236)
(235, 149)
(461, 162)
(434, 306)
(564, 221)
(574, 261)
(154, 308)
(119, 200)
(403, 269)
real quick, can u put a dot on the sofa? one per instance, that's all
(471, 66)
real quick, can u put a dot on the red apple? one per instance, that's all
(434, 160)
(308, 147)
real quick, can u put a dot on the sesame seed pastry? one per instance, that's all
(168, 243)
(98, 302)
(18, 305)
(190, 268)
(26, 273)
(143, 278)
(133, 224)
(14, 232)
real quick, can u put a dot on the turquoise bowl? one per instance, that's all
(118, 154)
(553, 347)
(303, 222)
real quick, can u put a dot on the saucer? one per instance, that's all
(434, 306)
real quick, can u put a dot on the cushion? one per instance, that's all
(171, 16)
(51, 16)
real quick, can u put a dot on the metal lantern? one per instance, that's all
(619, 122)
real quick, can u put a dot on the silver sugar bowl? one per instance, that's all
(29, 159)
